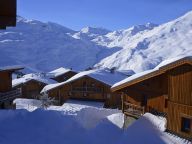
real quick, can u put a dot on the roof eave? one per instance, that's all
(162, 70)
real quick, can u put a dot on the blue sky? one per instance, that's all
(110, 14)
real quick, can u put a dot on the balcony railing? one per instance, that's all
(85, 89)
(133, 110)
(10, 95)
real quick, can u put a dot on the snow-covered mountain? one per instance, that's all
(46, 46)
(146, 49)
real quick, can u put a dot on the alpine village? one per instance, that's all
(164, 92)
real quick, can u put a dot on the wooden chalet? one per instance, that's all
(31, 85)
(7, 93)
(61, 74)
(165, 90)
(91, 85)
(7, 13)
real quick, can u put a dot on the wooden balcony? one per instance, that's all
(133, 110)
(86, 89)
(10, 95)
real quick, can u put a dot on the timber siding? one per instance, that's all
(180, 98)
(31, 89)
(167, 91)
(87, 88)
(7, 94)
(153, 89)
(5, 81)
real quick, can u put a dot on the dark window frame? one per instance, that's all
(186, 124)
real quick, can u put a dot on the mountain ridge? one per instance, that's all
(45, 46)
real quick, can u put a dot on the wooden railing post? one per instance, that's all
(122, 101)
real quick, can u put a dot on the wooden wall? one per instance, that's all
(5, 81)
(65, 76)
(180, 85)
(176, 86)
(180, 97)
(175, 113)
(61, 94)
(31, 89)
(96, 91)
(155, 89)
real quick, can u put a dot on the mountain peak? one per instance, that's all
(138, 28)
(22, 19)
(95, 30)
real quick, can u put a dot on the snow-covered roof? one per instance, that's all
(172, 60)
(163, 66)
(11, 68)
(37, 77)
(127, 72)
(58, 72)
(103, 75)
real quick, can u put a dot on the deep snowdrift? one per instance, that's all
(80, 122)
(55, 127)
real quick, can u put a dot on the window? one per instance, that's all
(186, 124)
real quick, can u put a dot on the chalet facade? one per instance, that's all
(7, 93)
(91, 85)
(7, 13)
(165, 90)
(31, 85)
(61, 74)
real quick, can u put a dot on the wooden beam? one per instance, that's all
(122, 100)
(8, 14)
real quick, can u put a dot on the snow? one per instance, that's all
(88, 125)
(74, 106)
(28, 77)
(50, 87)
(133, 77)
(69, 107)
(28, 104)
(103, 75)
(82, 109)
(146, 49)
(150, 129)
(117, 119)
(127, 72)
(169, 61)
(141, 74)
(58, 72)
(45, 46)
